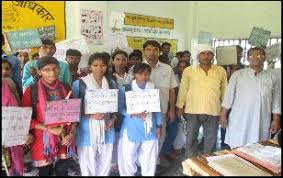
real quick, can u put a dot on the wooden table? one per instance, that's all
(198, 166)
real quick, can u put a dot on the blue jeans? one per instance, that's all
(171, 133)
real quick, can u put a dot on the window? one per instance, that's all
(244, 44)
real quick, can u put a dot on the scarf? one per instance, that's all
(96, 127)
(148, 119)
(50, 141)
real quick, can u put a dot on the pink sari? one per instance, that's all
(16, 152)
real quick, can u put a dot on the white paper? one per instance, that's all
(15, 125)
(101, 101)
(226, 55)
(269, 154)
(139, 101)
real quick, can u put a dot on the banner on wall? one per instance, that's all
(22, 15)
(137, 42)
(91, 25)
(148, 21)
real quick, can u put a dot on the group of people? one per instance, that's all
(199, 95)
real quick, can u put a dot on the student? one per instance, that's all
(165, 50)
(15, 73)
(175, 61)
(135, 143)
(95, 136)
(134, 58)
(49, 144)
(14, 155)
(119, 67)
(35, 56)
(30, 73)
(73, 58)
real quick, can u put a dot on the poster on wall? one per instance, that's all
(23, 15)
(91, 25)
(148, 21)
(137, 42)
(47, 32)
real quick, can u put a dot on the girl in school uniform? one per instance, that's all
(95, 136)
(137, 143)
(119, 67)
(52, 144)
(13, 155)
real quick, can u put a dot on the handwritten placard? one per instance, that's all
(259, 37)
(47, 32)
(226, 55)
(140, 101)
(205, 38)
(101, 101)
(62, 111)
(15, 125)
(23, 39)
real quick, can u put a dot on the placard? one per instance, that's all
(23, 39)
(226, 55)
(205, 38)
(62, 111)
(139, 101)
(101, 101)
(47, 32)
(15, 125)
(259, 37)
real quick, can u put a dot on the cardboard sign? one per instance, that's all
(205, 38)
(259, 37)
(101, 101)
(140, 101)
(62, 111)
(47, 32)
(226, 55)
(15, 125)
(23, 39)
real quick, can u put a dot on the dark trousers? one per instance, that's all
(171, 133)
(61, 168)
(210, 126)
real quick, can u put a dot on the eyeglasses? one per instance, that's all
(257, 56)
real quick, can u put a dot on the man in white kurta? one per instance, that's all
(253, 94)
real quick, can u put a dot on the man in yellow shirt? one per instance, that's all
(201, 93)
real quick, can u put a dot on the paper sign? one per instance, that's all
(259, 37)
(101, 101)
(226, 55)
(273, 52)
(62, 111)
(205, 38)
(23, 39)
(47, 32)
(140, 101)
(15, 125)
(76, 43)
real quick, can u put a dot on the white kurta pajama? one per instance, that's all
(252, 98)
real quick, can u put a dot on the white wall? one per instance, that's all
(222, 19)
(234, 19)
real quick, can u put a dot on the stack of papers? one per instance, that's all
(231, 165)
(267, 156)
